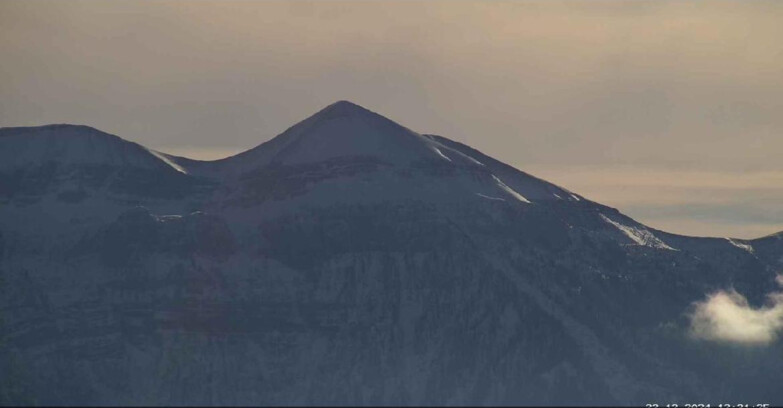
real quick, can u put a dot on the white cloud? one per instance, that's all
(726, 316)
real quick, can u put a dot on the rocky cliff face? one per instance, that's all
(349, 261)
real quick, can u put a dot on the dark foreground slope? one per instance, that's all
(348, 261)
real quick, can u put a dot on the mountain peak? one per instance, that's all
(22, 147)
(345, 105)
(341, 130)
(344, 108)
(57, 129)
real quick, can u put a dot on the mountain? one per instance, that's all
(349, 261)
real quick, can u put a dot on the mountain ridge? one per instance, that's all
(278, 151)
(352, 261)
(73, 144)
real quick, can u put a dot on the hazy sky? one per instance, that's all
(670, 111)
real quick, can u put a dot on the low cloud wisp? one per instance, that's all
(726, 316)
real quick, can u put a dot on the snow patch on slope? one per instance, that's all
(490, 198)
(639, 235)
(740, 245)
(168, 161)
(510, 190)
(440, 153)
(473, 160)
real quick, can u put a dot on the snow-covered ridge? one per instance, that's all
(73, 145)
(342, 132)
(531, 188)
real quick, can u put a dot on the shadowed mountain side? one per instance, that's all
(349, 261)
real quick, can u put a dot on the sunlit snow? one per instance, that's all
(510, 190)
(638, 235)
(740, 245)
(490, 198)
(166, 160)
(440, 153)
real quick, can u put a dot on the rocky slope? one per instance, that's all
(350, 261)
